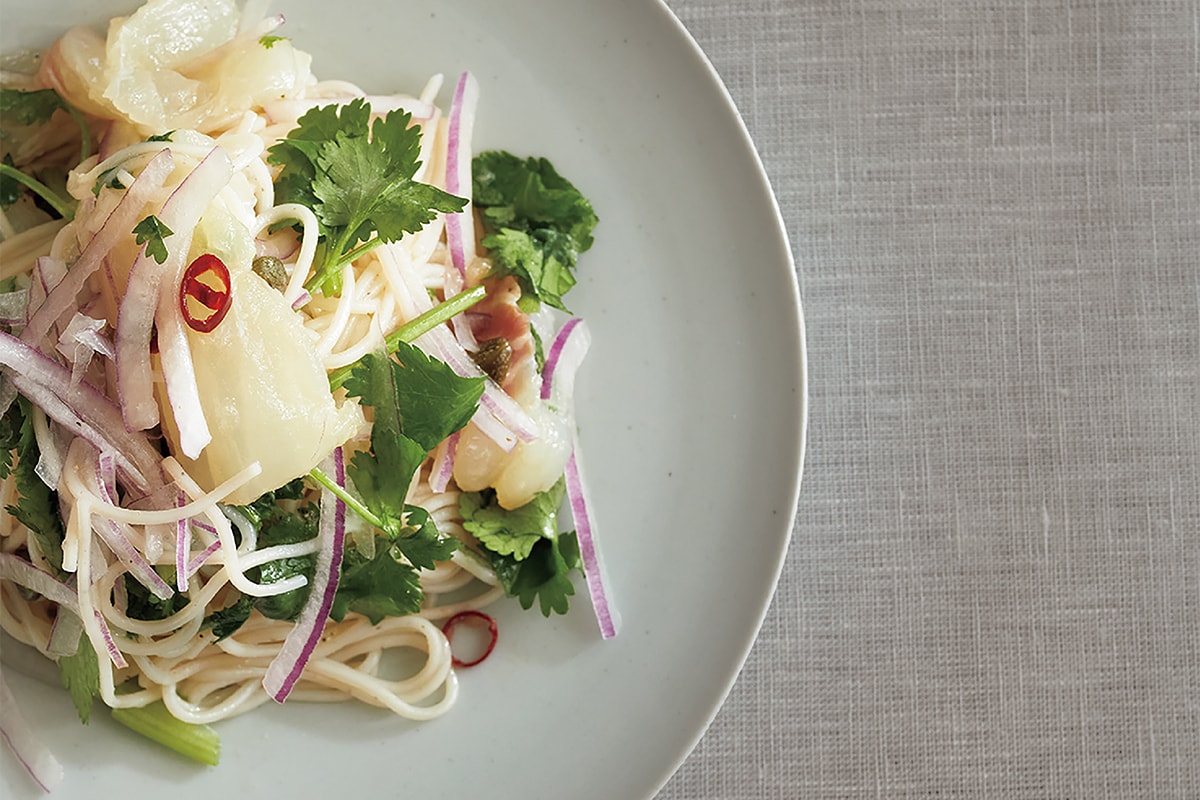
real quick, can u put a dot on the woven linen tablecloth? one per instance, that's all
(993, 588)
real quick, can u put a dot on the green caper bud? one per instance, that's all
(493, 357)
(271, 270)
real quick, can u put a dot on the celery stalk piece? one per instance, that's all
(197, 742)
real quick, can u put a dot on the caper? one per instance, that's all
(271, 270)
(493, 357)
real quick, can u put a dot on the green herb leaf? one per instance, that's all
(418, 401)
(269, 41)
(160, 137)
(108, 179)
(357, 179)
(287, 528)
(151, 232)
(80, 675)
(145, 605)
(532, 559)
(37, 503)
(383, 586)
(30, 108)
(226, 621)
(537, 223)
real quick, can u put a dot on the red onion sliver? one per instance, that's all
(13, 306)
(119, 224)
(21, 572)
(593, 567)
(558, 380)
(443, 463)
(556, 351)
(199, 561)
(114, 536)
(285, 670)
(460, 227)
(64, 634)
(114, 653)
(34, 756)
(47, 384)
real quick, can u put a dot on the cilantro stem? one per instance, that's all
(85, 135)
(198, 742)
(352, 502)
(63, 207)
(417, 326)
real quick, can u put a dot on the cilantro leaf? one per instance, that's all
(513, 533)
(37, 107)
(269, 41)
(356, 176)
(80, 675)
(377, 587)
(11, 424)
(419, 540)
(287, 528)
(37, 503)
(30, 108)
(418, 402)
(532, 559)
(151, 232)
(537, 223)
(108, 179)
(161, 137)
(145, 605)
(226, 621)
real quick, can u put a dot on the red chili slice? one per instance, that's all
(477, 616)
(206, 285)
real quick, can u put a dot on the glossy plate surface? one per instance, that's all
(691, 409)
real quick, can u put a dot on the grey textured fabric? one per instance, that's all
(993, 589)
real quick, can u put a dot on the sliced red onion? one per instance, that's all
(301, 301)
(85, 330)
(558, 381)
(81, 408)
(21, 572)
(152, 295)
(114, 535)
(118, 225)
(200, 560)
(460, 227)
(443, 463)
(114, 653)
(34, 756)
(79, 341)
(286, 668)
(569, 347)
(51, 449)
(64, 634)
(593, 566)
(13, 306)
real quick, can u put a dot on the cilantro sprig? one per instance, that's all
(36, 108)
(37, 504)
(152, 232)
(357, 177)
(532, 559)
(416, 401)
(537, 223)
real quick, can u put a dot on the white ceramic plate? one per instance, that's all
(691, 410)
